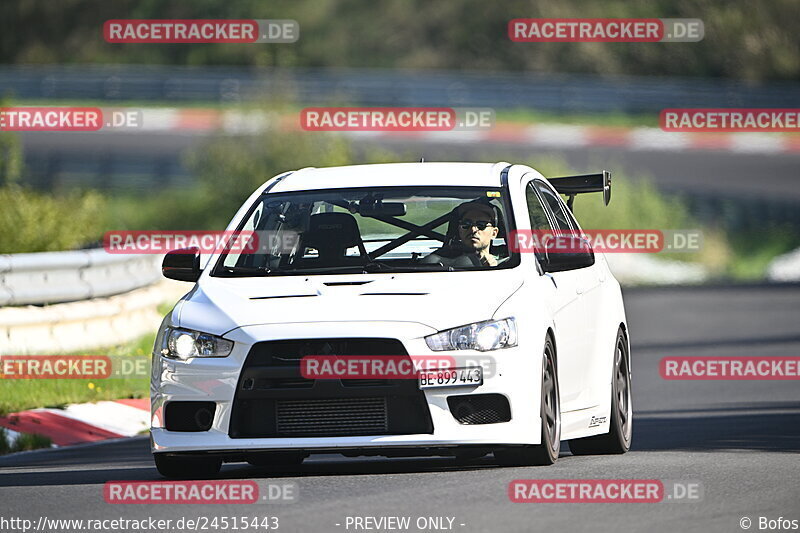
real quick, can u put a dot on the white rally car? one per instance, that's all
(403, 260)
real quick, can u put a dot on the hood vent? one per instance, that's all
(393, 294)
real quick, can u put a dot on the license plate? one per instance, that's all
(451, 377)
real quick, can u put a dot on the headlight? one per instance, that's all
(180, 343)
(481, 336)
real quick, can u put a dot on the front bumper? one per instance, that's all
(511, 372)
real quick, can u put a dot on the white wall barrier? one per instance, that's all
(81, 300)
(54, 277)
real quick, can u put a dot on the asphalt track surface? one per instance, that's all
(740, 439)
(753, 175)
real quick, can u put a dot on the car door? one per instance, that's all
(587, 284)
(588, 278)
(565, 304)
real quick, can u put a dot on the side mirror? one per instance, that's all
(182, 264)
(566, 252)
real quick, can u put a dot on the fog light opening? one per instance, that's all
(203, 418)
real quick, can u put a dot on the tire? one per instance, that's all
(618, 439)
(545, 453)
(178, 467)
(277, 459)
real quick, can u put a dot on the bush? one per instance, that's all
(230, 169)
(38, 222)
(10, 158)
(169, 209)
(634, 205)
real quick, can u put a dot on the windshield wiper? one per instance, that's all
(342, 268)
(376, 266)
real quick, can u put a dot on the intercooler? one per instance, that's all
(274, 400)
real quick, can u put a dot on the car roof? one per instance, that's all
(393, 174)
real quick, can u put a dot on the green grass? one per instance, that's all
(530, 116)
(21, 394)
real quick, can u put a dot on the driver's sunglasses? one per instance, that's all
(480, 224)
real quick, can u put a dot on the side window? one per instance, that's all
(561, 217)
(535, 210)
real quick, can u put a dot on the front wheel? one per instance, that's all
(172, 466)
(545, 453)
(618, 439)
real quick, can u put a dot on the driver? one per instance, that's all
(477, 226)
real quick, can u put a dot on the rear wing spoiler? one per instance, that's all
(573, 185)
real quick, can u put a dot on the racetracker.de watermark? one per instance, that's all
(69, 119)
(372, 367)
(429, 369)
(199, 492)
(730, 368)
(207, 242)
(396, 119)
(605, 30)
(92, 367)
(605, 241)
(184, 31)
(604, 491)
(730, 120)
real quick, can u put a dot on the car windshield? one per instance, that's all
(380, 229)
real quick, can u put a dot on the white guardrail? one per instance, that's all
(55, 277)
(79, 300)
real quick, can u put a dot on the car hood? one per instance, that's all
(439, 300)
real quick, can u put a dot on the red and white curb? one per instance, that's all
(200, 121)
(81, 423)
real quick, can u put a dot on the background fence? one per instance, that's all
(547, 92)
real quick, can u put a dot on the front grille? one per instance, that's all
(274, 400)
(365, 382)
(479, 408)
(356, 416)
(289, 353)
(289, 383)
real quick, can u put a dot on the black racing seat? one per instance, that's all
(331, 235)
